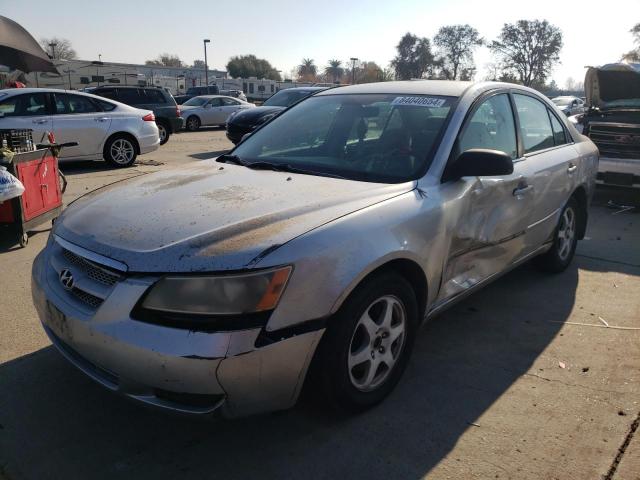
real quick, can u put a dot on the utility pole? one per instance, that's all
(206, 66)
(353, 70)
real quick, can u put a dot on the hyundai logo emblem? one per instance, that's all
(66, 279)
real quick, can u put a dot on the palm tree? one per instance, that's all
(334, 70)
(307, 68)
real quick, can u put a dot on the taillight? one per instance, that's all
(178, 112)
(149, 117)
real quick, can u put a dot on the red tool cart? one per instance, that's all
(42, 198)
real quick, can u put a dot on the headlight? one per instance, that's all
(217, 295)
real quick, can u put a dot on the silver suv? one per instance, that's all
(315, 248)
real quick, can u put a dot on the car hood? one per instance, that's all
(210, 217)
(252, 115)
(616, 85)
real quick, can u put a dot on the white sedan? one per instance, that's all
(210, 110)
(103, 128)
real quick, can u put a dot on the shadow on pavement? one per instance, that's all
(55, 423)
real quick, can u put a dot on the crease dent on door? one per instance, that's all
(489, 234)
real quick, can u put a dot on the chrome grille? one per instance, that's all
(93, 271)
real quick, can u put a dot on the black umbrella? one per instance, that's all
(20, 51)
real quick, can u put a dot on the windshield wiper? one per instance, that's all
(285, 167)
(231, 159)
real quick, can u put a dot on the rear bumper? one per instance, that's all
(619, 172)
(176, 124)
(173, 369)
(148, 143)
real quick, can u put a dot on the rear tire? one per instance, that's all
(120, 151)
(164, 132)
(193, 123)
(565, 240)
(368, 343)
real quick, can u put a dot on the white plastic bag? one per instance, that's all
(10, 186)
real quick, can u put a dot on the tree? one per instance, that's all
(455, 45)
(307, 70)
(414, 59)
(528, 50)
(334, 70)
(198, 64)
(245, 66)
(166, 60)
(634, 55)
(367, 72)
(62, 50)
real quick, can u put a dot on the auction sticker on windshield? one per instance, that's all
(419, 101)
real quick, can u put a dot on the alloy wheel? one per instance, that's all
(122, 151)
(566, 233)
(162, 132)
(377, 343)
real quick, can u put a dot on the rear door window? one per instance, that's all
(535, 125)
(227, 102)
(154, 96)
(131, 96)
(559, 135)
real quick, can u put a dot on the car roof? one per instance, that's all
(416, 87)
(217, 96)
(12, 91)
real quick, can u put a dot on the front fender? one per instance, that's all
(330, 261)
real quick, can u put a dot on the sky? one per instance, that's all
(285, 31)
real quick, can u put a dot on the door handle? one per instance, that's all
(522, 189)
(102, 119)
(40, 121)
(572, 168)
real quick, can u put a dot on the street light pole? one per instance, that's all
(353, 70)
(206, 66)
(53, 49)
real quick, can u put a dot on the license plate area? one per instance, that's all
(57, 320)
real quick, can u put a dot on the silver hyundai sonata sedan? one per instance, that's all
(315, 249)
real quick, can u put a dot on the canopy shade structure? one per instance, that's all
(20, 51)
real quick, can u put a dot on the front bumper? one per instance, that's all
(619, 172)
(174, 369)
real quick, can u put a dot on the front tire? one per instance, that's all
(368, 343)
(193, 123)
(120, 151)
(565, 240)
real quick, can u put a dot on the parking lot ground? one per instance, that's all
(522, 380)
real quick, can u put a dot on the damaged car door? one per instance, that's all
(489, 230)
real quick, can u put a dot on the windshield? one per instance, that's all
(562, 101)
(373, 137)
(196, 102)
(284, 98)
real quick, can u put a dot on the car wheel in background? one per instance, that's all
(366, 347)
(163, 130)
(120, 151)
(193, 123)
(565, 239)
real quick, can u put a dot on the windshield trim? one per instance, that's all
(428, 160)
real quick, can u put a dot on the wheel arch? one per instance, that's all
(122, 133)
(408, 269)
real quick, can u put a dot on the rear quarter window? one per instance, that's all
(154, 96)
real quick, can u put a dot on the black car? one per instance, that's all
(196, 92)
(168, 116)
(246, 121)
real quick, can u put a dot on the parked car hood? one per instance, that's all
(613, 86)
(252, 115)
(210, 217)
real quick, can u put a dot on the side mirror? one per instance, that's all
(480, 162)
